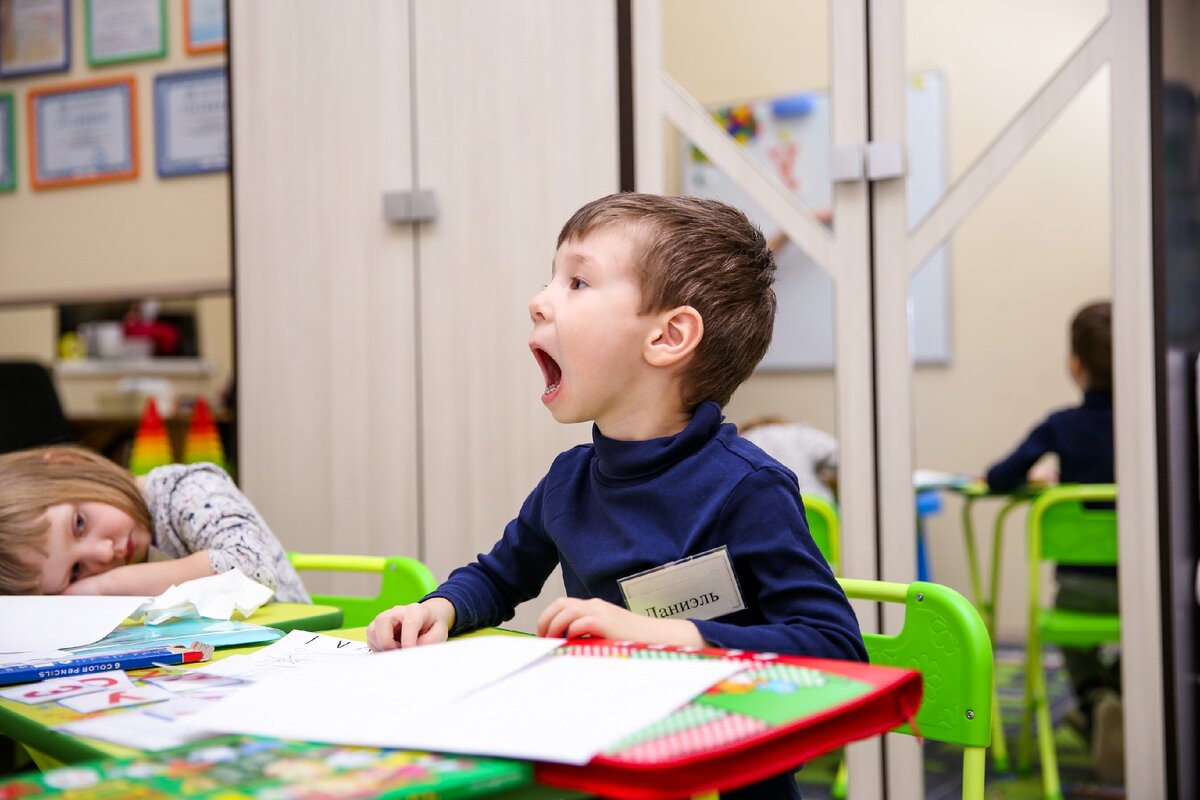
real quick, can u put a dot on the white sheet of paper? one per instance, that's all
(181, 705)
(564, 709)
(33, 655)
(102, 701)
(193, 680)
(296, 649)
(924, 479)
(55, 621)
(135, 729)
(491, 695)
(350, 699)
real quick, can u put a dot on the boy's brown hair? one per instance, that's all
(33, 480)
(690, 251)
(1091, 343)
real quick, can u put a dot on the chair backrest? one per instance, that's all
(1075, 524)
(825, 529)
(945, 639)
(403, 580)
(30, 413)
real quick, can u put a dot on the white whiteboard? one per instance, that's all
(790, 137)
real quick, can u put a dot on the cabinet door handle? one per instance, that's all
(417, 205)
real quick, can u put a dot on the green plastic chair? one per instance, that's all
(1063, 530)
(825, 529)
(403, 580)
(945, 639)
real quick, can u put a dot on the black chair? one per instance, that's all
(30, 414)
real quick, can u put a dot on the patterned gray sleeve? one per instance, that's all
(197, 507)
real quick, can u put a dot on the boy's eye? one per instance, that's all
(75, 570)
(578, 283)
(78, 524)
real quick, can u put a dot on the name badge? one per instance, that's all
(699, 587)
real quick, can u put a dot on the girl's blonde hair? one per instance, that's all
(33, 480)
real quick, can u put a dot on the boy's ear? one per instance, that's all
(675, 337)
(1078, 370)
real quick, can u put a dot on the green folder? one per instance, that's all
(251, 767)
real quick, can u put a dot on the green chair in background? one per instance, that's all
(824, 527)
(945, 639)
(402, 580)
(1067, 525)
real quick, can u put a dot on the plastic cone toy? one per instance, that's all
(151, 445)
(203, 442)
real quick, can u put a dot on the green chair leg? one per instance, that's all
(999, 747)
(838, 790)
(974, 772)
(1051, 790)
(1033, 665)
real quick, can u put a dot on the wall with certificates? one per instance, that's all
(114, 149)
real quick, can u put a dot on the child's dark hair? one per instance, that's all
(33, 480)
(1091, 343)
(704, 254)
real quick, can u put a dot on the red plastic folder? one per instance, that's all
(775, 715)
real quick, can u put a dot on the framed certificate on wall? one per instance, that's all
(125, 30)
(8, 161)
(35, 37)
(83, 133)
(203, 26)
(191, 122)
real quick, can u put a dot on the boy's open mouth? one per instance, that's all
(551, 372)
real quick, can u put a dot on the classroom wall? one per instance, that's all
(1035, 249)
(129, 239)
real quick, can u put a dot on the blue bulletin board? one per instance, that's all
(790, 137)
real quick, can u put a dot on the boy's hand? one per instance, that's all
(569, 617)
(416, 623)
(1042, 474)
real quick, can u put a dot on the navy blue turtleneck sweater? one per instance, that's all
(613, 509)
(1082, 437)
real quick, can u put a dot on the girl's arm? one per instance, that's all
(197, 507)
(149, 578)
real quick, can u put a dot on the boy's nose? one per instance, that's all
(537, 307)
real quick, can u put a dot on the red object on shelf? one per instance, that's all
(151, 444)
(203, 442)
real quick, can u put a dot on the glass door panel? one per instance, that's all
(1020, 226)
(993, 58)
(762, 69)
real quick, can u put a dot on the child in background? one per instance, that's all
(810, 453)
(657, 309)
(73, 522)
(1082, 438)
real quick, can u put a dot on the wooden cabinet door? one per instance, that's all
(324, 285)
(515, 118)
(389, 402)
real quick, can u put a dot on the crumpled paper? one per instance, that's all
(213, 597)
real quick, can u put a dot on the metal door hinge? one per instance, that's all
(885, 160)
(846, 163)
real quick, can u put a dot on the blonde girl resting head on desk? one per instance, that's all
(73, 522)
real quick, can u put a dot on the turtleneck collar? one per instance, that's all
(1098, 398)
(618, 460)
